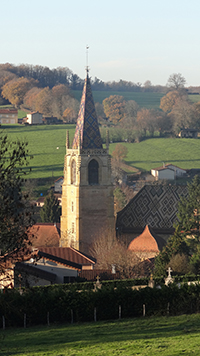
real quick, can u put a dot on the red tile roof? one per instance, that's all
(45, 234)
(69, 254)
(8, 111)
(147, 242)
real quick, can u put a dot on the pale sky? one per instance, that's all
(133, 40)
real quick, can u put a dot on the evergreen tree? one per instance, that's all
(15, 212)
(50, 211)
(186, 239)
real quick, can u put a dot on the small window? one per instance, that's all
(93, 172)
(72, 206)
(72, 228)
(73, 172)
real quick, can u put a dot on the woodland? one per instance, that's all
(51, 92)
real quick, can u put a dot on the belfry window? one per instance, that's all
(93, 172)
(73, 172)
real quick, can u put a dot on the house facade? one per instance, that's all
(163, 173)
(34, 118)
(8, 116)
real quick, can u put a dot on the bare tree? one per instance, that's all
(176, 81)
(109, 251)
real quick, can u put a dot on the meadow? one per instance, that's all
(148, 100)
(168, 336)
(47, 145)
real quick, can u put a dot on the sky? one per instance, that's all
(132, 40)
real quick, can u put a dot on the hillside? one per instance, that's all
(47, 145)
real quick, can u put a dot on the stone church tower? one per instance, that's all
(87, 192)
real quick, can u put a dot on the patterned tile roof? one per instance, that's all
(87, 124)
(154, 205)
(147, 241)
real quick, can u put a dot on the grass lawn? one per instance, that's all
(47, 144)
(166, 336)
(151, 153)
(146, 100)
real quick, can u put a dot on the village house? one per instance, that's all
(163, 173)
(188, 133)
(51, 265)
(34, 118)
(8, 116)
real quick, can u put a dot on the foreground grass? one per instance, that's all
(151, 336)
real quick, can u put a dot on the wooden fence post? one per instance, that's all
(168, 304)
(120, 311)
(144, 311)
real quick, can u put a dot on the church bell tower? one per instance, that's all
(87, 191)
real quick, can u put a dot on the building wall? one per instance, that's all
(86, 209)
(34, 118)
(178, 171)
(9, 118)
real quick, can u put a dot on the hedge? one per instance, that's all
(58, 302)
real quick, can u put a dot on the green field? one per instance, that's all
(166, 336)
(153, 152)
(147, 100)
(47, 144)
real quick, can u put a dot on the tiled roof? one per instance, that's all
(148, 241)
(44, 234)
(162, 168)
(35, 271)
(153, 205)
(87, 124)
(69, 254)
(8, 111)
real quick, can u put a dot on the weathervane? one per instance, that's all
(87, 50)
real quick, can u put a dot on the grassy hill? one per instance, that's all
(147, 100)
(164, 336)
(47, 144)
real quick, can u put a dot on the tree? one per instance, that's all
(50, 212)
(15, 212)
(182, 114)
(186, 239)
(147, 120)
(114, 108)
(109, 251)
(119, 199)
(119, 153)
(168, 101)
(176, 81)
(15, 90)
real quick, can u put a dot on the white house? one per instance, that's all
(179, 172)
(52, 265)
(58, 185)
(34, 118)
(163, 173)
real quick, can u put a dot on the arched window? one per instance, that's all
(93, 172)
(73, 172)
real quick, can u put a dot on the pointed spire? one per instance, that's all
(87, 123)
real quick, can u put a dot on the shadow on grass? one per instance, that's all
(91, 334)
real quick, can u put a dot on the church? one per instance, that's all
(87, 191)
